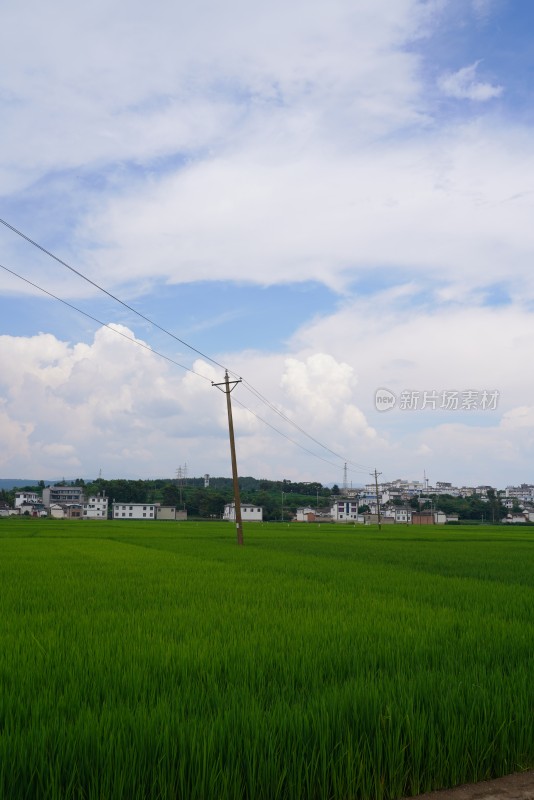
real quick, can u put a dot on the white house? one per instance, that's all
(32, 509)
(249, 513)
(306, 514)
(26, 497)
(66, 510)
(57, 511)
(513, 519)
(95, 507)
(402, 515)
(345, 511)
(134, 511)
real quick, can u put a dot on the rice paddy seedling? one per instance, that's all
(159, 660)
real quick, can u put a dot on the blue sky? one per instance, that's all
(325, 198)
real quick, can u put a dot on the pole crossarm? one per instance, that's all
(227, 383)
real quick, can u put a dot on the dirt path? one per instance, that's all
(519, 786)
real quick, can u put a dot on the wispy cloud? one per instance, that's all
(463, 85)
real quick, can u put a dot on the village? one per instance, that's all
(400, 502)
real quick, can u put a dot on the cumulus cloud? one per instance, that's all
(456, 347)
(76, 409)
(101, 405)
(14, 438)
(73, 409)
(463, 85)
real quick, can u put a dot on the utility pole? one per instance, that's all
(375, 474)
(181, 475)
(237, 499)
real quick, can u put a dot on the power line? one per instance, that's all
(289, 439)
(104, 324)
(105, 291)
(160, 355)
(295, 425)
(248, 385)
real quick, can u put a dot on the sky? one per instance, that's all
(333, 201)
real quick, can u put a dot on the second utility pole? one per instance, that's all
(237, 499)
(375, 474)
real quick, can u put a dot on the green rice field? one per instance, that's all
(161, 660)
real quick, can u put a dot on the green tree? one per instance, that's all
(170, 495)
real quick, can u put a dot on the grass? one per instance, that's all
(159, 660)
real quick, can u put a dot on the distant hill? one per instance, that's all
(10, 483)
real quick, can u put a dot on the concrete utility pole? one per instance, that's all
(375, 474)
(237, 499)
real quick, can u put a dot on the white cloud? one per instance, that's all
(74, 409)
(297, 145)
(463, 85)
(519, 418)
(14, 438)
(321, 392)
(413, 347)
(109, 404)
(270, 144)
(428, 206)
(111, 82)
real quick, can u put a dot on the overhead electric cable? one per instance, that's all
(295, 425)
(248, 385)
(160, 355)
(104, 324)
(284, 434)
(109, 294)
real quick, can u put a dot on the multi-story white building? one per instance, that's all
(134, 511)
(22, 498)
(345, 511)
(525, 492)
(95, 507)
(62, 494)
(402, 514)
(249, 513)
